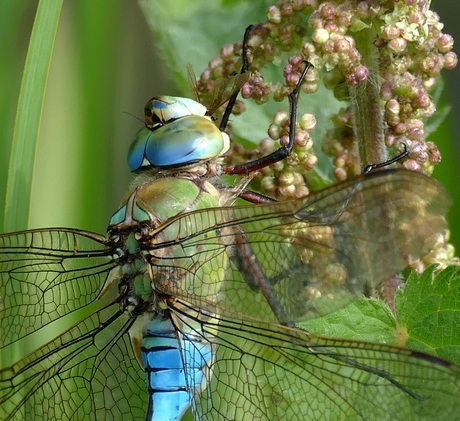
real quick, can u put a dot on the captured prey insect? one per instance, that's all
(201, 297)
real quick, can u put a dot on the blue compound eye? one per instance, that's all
(177, 132)
(181, 142)
(161, 110)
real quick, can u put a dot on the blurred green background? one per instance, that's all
(104, 67)
(103, 70)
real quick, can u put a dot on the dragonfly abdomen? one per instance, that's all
(171, 387)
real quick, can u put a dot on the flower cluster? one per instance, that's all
(382, 56)
(397, 45)
(413, 51)
(285, 179)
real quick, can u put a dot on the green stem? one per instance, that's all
(365, 100)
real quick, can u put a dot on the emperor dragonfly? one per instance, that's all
(204, 295)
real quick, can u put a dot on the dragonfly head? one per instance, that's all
(177, 134)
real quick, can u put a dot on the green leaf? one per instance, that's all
(442, 109)
(364, 320)
(427, 316)
(28, 116)
(193, 31)
(428, 313)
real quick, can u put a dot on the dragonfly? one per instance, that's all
(193, 302)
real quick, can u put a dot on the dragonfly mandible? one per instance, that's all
(201, 297)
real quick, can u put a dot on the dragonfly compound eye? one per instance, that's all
(161, 110)
(177, 132)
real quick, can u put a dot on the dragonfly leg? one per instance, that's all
(248, 264)
(254, 197)
(397, 158)
(244, 69)
(284, 150)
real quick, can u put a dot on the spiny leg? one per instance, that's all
(284, 150)
(244, 69)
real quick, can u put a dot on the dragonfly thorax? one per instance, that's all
(145, 240)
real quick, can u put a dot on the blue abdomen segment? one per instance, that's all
(174, 368)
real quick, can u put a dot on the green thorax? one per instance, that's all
(163, 245)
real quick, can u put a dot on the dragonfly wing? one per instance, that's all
(45, 274)
(265, 371)
(222, 91)
(88, 372)
(312, 255)
(358, 232)
(65, 353)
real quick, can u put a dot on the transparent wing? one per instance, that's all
(64, 352)
(270, 372)
(49, 272)
(223, 88)
(308, 257)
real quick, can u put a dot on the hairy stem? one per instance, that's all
(365, 100)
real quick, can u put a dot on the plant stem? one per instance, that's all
(365, 100)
